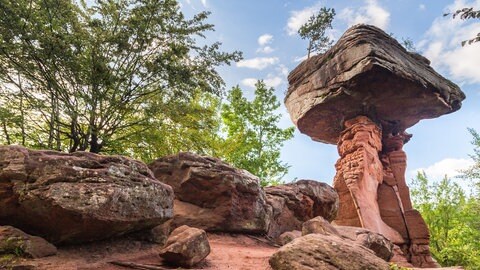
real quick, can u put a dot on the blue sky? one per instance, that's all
(265, 31)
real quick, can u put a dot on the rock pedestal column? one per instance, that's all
(370, 182)
(359, 173)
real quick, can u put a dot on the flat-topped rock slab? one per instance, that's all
(367, 72)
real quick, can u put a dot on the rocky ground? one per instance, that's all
(228, 251)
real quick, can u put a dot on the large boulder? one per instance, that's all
(186, 247)
(379, 244)
(367, 72)
(15, 241)
(212, 195)
(79, 197)
(298, 202)
(329, 252)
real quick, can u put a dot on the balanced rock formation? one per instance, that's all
(329, 252)
(186, 247)
(298, 202)
(79, 197)
(362, 95)
(212, 195)
(15, 241)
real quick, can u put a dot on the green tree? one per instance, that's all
(173, 126)
(466, 14)
(315, 30)
(452, 219)
(94, 72)
(253, 138)
(473, 173)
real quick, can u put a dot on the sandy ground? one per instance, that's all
(228, 252)
(235, 252)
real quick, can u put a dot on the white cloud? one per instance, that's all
(282, 69)
(265, 39)
(422, 7)
(258, 62)
(250, 82)
(442, 45)
(266, 49)
(273, 81)
(448, 166)
(189, 2)
(299, 17)
(270, 81)
(371, 13)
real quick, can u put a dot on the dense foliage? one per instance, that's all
(452, 215)
(453, 219)
(314, 30)
(131, 77)
(79, 76)
(253, 138)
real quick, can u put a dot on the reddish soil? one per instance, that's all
(235, 252)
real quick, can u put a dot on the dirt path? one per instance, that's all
(235, 252)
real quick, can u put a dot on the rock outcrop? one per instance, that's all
(329, 252)
(377, 243)
(212, 195)
(288, 237)
(362, 95)
(381, 246)
(186, 247)
(298, 202)
(15, 241)
(366, 72)
(79, 197)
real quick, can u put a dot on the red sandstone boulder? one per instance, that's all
(328, 252)
(379, 244)
(367, 72)
(212, 195)
(318, 225)
(15, 241)
(288, 237)
(186, 247)
(298, 202)
(79, 197)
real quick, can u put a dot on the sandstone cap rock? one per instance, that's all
(367, 72)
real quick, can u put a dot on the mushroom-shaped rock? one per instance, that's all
(366, 73)
(362, 95)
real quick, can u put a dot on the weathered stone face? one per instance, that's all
(361, 95)
(79, 197)
(366, 73)
(186, 246)
(212, 195)
(295, 203)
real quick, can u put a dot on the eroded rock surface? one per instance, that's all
(79, 197)
(298, 202)
(15, 241)
(329, 252)
(379, 244)
(186, 247)
(366, 72)
(213, 195)
(362, 94)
